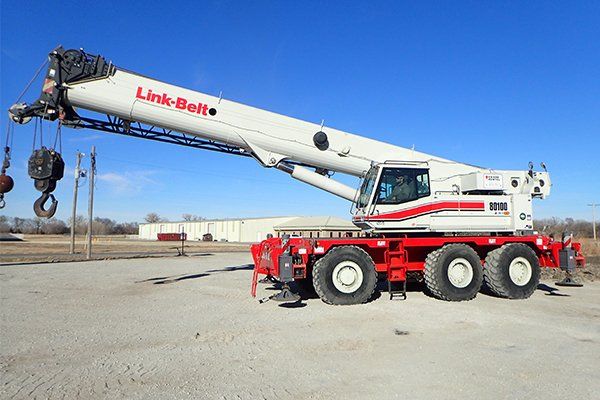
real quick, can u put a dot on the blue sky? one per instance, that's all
(487, 83)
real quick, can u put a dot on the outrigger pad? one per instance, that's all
(268, 279)
(569, 281)
(286, 295)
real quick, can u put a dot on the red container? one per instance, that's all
(171, 237)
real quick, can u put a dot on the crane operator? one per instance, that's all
(402, 191)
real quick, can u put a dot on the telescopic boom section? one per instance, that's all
(75, 79)
(403, 190)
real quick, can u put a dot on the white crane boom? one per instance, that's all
(76, 80)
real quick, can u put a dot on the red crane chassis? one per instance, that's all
(294, 258)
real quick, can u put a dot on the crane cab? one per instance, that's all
(411, 198)
(388, 190)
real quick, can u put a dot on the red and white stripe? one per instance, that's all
(429, 208)
(567, 239)
(48, 86)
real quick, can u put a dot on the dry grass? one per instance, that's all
(44, 248)
(589, 247)
(56, 248)
(591, 250)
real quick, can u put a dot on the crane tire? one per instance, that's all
(512, 271)
(345, 275)
(453, 272)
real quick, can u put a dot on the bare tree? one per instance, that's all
(126, 228)
(18, 224)
(191, 217)
(4, 224)
(37, 223)
(556, 226)
(103, 226)
(54, 227)
(24, 225)
(152, 218)
(80, 224)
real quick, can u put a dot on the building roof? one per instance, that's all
(214, 220)
(316, 224)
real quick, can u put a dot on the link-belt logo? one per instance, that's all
(179, 103)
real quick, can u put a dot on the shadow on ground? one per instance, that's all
(246, 267)
(180, 278)
(161, 280)
(551, 291)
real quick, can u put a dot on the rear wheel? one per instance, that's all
(453, 272)
(345, 275)
(512, 271)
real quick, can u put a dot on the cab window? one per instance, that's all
(399, 185)
(367, 188)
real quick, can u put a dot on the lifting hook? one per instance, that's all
(6, 185)
(38, 206)
(6, 182)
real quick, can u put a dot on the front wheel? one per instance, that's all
(345, 275)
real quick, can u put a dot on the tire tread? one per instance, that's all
(494, 277)
(319, 280)
(432, 283)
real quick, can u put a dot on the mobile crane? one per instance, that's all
(451, 224)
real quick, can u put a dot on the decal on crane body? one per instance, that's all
(179, 103)
(429, 208)
(498, 206)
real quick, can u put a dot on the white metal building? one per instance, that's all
(316, 227)
(232, 230)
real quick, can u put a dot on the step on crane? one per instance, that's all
(453, 225)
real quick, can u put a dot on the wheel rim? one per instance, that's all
(347, 277)
(460, 272)
(520, 271)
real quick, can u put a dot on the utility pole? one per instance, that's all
(78, 175)
(593, 205)
(91, 200)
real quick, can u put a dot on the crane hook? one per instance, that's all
(6, 185)
(38, 206)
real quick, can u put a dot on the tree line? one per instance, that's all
(105, 226)
(55, 226)
(153, 218)
(556, 226)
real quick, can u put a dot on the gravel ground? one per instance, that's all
(186, 327)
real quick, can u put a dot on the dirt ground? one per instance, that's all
(186, 328)
(53, 248)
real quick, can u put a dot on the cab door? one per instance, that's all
(402, 199)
